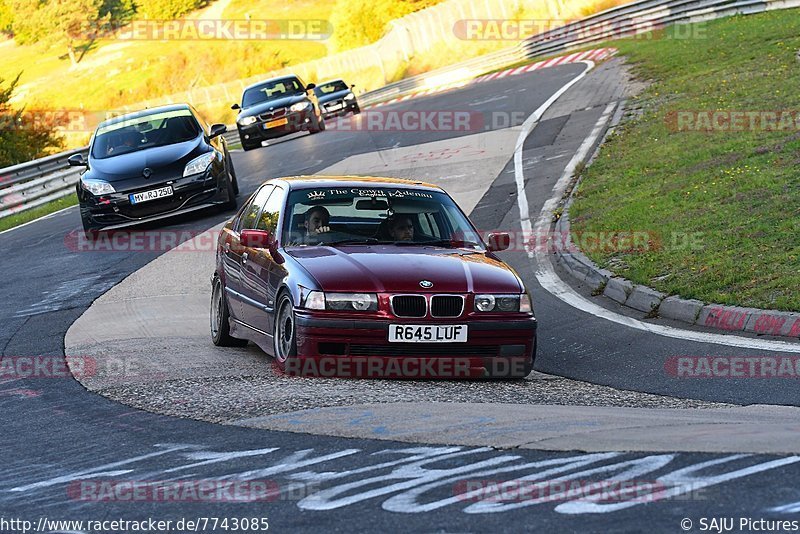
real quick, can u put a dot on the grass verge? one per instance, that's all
(734, 194)
(45, 209)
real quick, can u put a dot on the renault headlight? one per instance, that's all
(199, 164)
(97, 187)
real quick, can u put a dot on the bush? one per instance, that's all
(6, 17)
(166, 9)
(21, 139)
(361, 22)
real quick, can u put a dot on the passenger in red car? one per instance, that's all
(401, 228)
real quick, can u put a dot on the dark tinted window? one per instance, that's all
(272, 90)
(159, 129)
(331, 87)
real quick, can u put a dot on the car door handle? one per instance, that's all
(244, 258)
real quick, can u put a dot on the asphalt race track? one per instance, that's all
(57, 434)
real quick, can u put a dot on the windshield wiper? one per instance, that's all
(436, 243)
(354, 241)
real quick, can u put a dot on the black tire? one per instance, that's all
(284, 333)
(89, 230)
(220, 319)
(356, 109)
(317, 124)
(231, 204)
(232, 172)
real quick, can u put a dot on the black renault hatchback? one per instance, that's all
(153, 164)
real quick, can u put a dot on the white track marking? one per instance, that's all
(39, 219)
(545, 272)
(527, 127)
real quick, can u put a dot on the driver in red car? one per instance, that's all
(317, 220)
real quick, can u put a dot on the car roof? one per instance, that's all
(268, 80)
(326, 82)
(144, 113)
(311, 182)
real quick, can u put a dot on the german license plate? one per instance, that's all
(276, 123)
(415, 333)
(153, 194)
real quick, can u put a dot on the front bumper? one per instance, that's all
(296, 121)
(348, 106)
(115, 210)
(491, 346)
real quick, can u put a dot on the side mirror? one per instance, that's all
(352, 85)
(257, 239)
(310, 86)
(261, 239)
(498, 241)
(236, 106)
(76, 160)
(217, 130)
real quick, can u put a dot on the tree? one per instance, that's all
(6, 17)
(67, 22)
(166, 9)
(21, 137)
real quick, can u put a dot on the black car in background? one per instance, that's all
(277, 107)
(336, 98)
(153, 164)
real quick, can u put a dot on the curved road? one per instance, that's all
(56, 434)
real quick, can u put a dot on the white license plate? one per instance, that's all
(415, 333)
(334, 107)
(153, 194)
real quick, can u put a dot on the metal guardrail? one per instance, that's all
(32, 184)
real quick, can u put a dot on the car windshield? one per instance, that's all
(330, 87)
(349, 216)
(271, 90)
(130, 135)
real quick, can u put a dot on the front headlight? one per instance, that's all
(349, 96)
(503, 303)
(199, 164)
(97, 187)
(351, 301)
(247, 121)
(317, 300)
(300, 106)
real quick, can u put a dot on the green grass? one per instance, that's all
(45, 209)
(738, 192)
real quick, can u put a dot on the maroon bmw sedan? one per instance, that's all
(354, 276)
